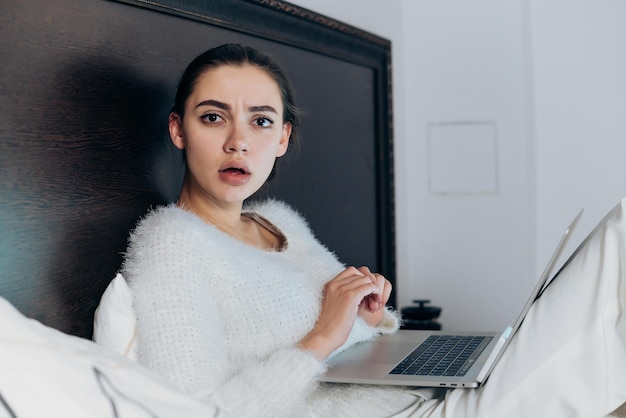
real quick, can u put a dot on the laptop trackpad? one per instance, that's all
(375, 352)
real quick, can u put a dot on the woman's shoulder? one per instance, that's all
(161, 216)
(279, 213)
(289, 221)
(165, 214)
(165, 223)
(168, 237)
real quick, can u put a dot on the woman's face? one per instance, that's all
(232, 132)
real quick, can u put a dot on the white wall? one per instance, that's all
(579, 67)
(547, 74)
(470, 250)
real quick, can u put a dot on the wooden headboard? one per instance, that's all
(85, 91)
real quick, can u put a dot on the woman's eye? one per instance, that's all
(263, 122)
(211, 117)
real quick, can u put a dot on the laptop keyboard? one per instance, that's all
(443, 355)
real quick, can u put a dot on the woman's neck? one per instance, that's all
(229, 219)
(224, 216)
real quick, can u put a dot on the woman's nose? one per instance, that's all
(237, 140)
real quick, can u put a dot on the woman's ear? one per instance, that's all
(284, 140)
(176, 130)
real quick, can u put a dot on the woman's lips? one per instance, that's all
(234, 176)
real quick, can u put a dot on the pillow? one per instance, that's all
(115, 321)
(45, 372)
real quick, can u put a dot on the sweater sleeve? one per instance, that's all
(179, 333)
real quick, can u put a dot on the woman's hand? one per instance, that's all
(372, 307)
(353, 292)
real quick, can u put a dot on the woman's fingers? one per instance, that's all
(386, 290)
(353, 287)
(376, 301)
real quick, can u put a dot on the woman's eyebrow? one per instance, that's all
(262, 109)
(216, 103)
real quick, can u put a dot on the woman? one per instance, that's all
(240, 305)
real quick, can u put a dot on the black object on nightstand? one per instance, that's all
(421, 317)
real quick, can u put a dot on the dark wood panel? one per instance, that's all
(85, 91)
(83, 153)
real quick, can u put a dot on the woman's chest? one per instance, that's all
(270, 302)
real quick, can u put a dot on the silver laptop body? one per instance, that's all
(382, 360)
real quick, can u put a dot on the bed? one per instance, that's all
(85, 91)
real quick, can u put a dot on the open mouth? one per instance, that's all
(235, 175)
(234, 170)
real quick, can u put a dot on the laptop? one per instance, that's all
(434, 358)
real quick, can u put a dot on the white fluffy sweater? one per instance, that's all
(221, 319)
